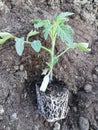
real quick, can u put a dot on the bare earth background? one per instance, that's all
(18, 107)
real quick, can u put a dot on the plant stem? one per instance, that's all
(52, 58)
(63, 52)
(46, 49)
(27, 42)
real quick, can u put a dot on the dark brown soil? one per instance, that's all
(18, 107)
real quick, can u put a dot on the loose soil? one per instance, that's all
(18, 105)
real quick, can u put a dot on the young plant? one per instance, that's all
(53, 29)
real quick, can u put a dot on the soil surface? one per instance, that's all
(18, 106)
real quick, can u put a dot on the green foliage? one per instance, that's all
(54, 28)
(30, 34)
(65, 32)
(19, 45)
(4, 36)
(57, 27)
(82, 46)
(63, 17)
(36, 45)
(47, 30)
(64, 14)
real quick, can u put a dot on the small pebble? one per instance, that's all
(96, 117)
(96, 108)
(14, 116)
(1, 118)
(95, 78)
(16, 67)
(75, 109)
(56, 126)
(25, 75)
(83, 123)
(88, 88)
(1, 110)
(14, 85)
(96, 69)
(8, 69)
(88, 103)
(21, 67)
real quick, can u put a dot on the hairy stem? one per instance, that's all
(62, 53)
(46, 49)
(52, 58)
(27, 42)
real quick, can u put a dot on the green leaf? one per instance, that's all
(66, 34)
(35, 21)
(31, 33)
(36, 45)
(62, 20)
(4, 36)
(19, 45)
(3, 41)
(46, 31)
(39, 24)
(82, 46)
(65, 14)
(45, 83)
